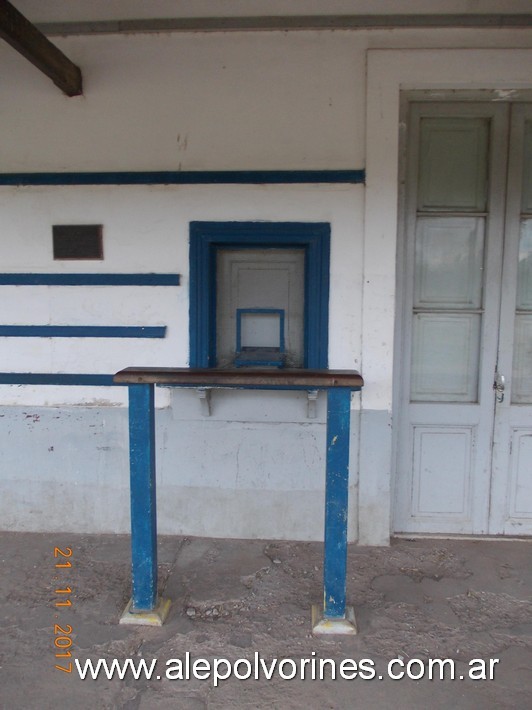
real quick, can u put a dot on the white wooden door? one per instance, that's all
(464, 460)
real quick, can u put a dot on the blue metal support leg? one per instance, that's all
(336, 494)
(143, 505)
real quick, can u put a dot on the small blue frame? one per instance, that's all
(272, 356)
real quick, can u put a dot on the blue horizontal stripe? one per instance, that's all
(89, 279)
(81, 331)
(195, 177)
(31, 378)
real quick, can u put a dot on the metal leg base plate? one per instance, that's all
(345, 626)
(153, 617)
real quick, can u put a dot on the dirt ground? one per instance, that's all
(417, 599)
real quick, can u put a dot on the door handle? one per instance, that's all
(498, 386)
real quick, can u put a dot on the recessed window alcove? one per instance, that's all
(259, 294)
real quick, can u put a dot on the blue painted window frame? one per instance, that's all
(205, 240)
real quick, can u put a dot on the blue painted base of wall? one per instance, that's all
(67, 469)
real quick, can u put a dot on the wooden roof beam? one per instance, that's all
(32, 44)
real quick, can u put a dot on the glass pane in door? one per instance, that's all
(527, 169)
(453, 166)
(445, 357)
(448, 261)
(524, 270)
(522, 361)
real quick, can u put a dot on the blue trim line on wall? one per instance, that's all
(188, 177)
(81, 331)
(37, 378)
(89, 279)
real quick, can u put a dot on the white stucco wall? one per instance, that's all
(146, 229)
(258, 101)
(190, 102)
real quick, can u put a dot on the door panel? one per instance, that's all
(442, 454)
(521, 480)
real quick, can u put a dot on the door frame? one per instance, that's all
(389, 72)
